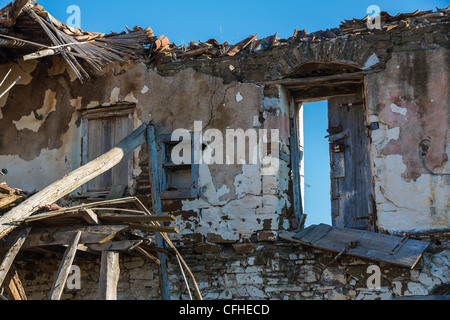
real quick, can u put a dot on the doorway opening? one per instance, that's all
(316, 162)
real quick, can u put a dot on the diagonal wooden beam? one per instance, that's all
(11, 254)
(72, 181)
(14, 286)
(64, 268)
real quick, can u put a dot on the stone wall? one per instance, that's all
(256, 271)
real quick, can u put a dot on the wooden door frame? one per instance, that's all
(316, 89)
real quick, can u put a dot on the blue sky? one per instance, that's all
(232, 21)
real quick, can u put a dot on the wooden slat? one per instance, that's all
(369, 245)
(64, 268)
(123, 218)
(153, 228)
(63, 236)
(115, 245)
(155, 173)
(316, 233)
(11, 254)
(14, 286)
(89, 216)
(120, 173)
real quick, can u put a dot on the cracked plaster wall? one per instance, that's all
(235, 201)
(410, 100)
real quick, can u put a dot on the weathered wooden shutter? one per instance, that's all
(351, 175)
(103, 134)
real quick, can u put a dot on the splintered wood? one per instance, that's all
(9, 197)
(116, 226)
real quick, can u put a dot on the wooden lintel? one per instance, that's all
(313, 80)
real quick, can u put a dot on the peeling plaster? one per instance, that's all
(30, 122)
(144, 90)
(397, 109)
(249, 182)
(115, 96)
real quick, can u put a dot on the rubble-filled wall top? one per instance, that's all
(26, 28)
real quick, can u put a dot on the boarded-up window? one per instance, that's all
(178, 181)
(103, 129)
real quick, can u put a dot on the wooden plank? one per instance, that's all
(64, 268)
(316, 233)
(89, 216)
(72, 181)
(153, 228)
(115, 217)
(369, 245)
(303, 232)
(12, 253)
(157, 208)
(63, 236)
(115, 245)
(109, 275)
(94, 149)
(106, 145)
(6, 200)
(14, 286)
(120, 173)
(311, 80)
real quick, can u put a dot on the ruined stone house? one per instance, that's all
(240, 230)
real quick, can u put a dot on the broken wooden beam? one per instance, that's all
(39, 54)
(7, 200)
(64, 268)
(72, 181)
(11, 254)
(14, 286)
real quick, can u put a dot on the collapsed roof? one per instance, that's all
(27, 30)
